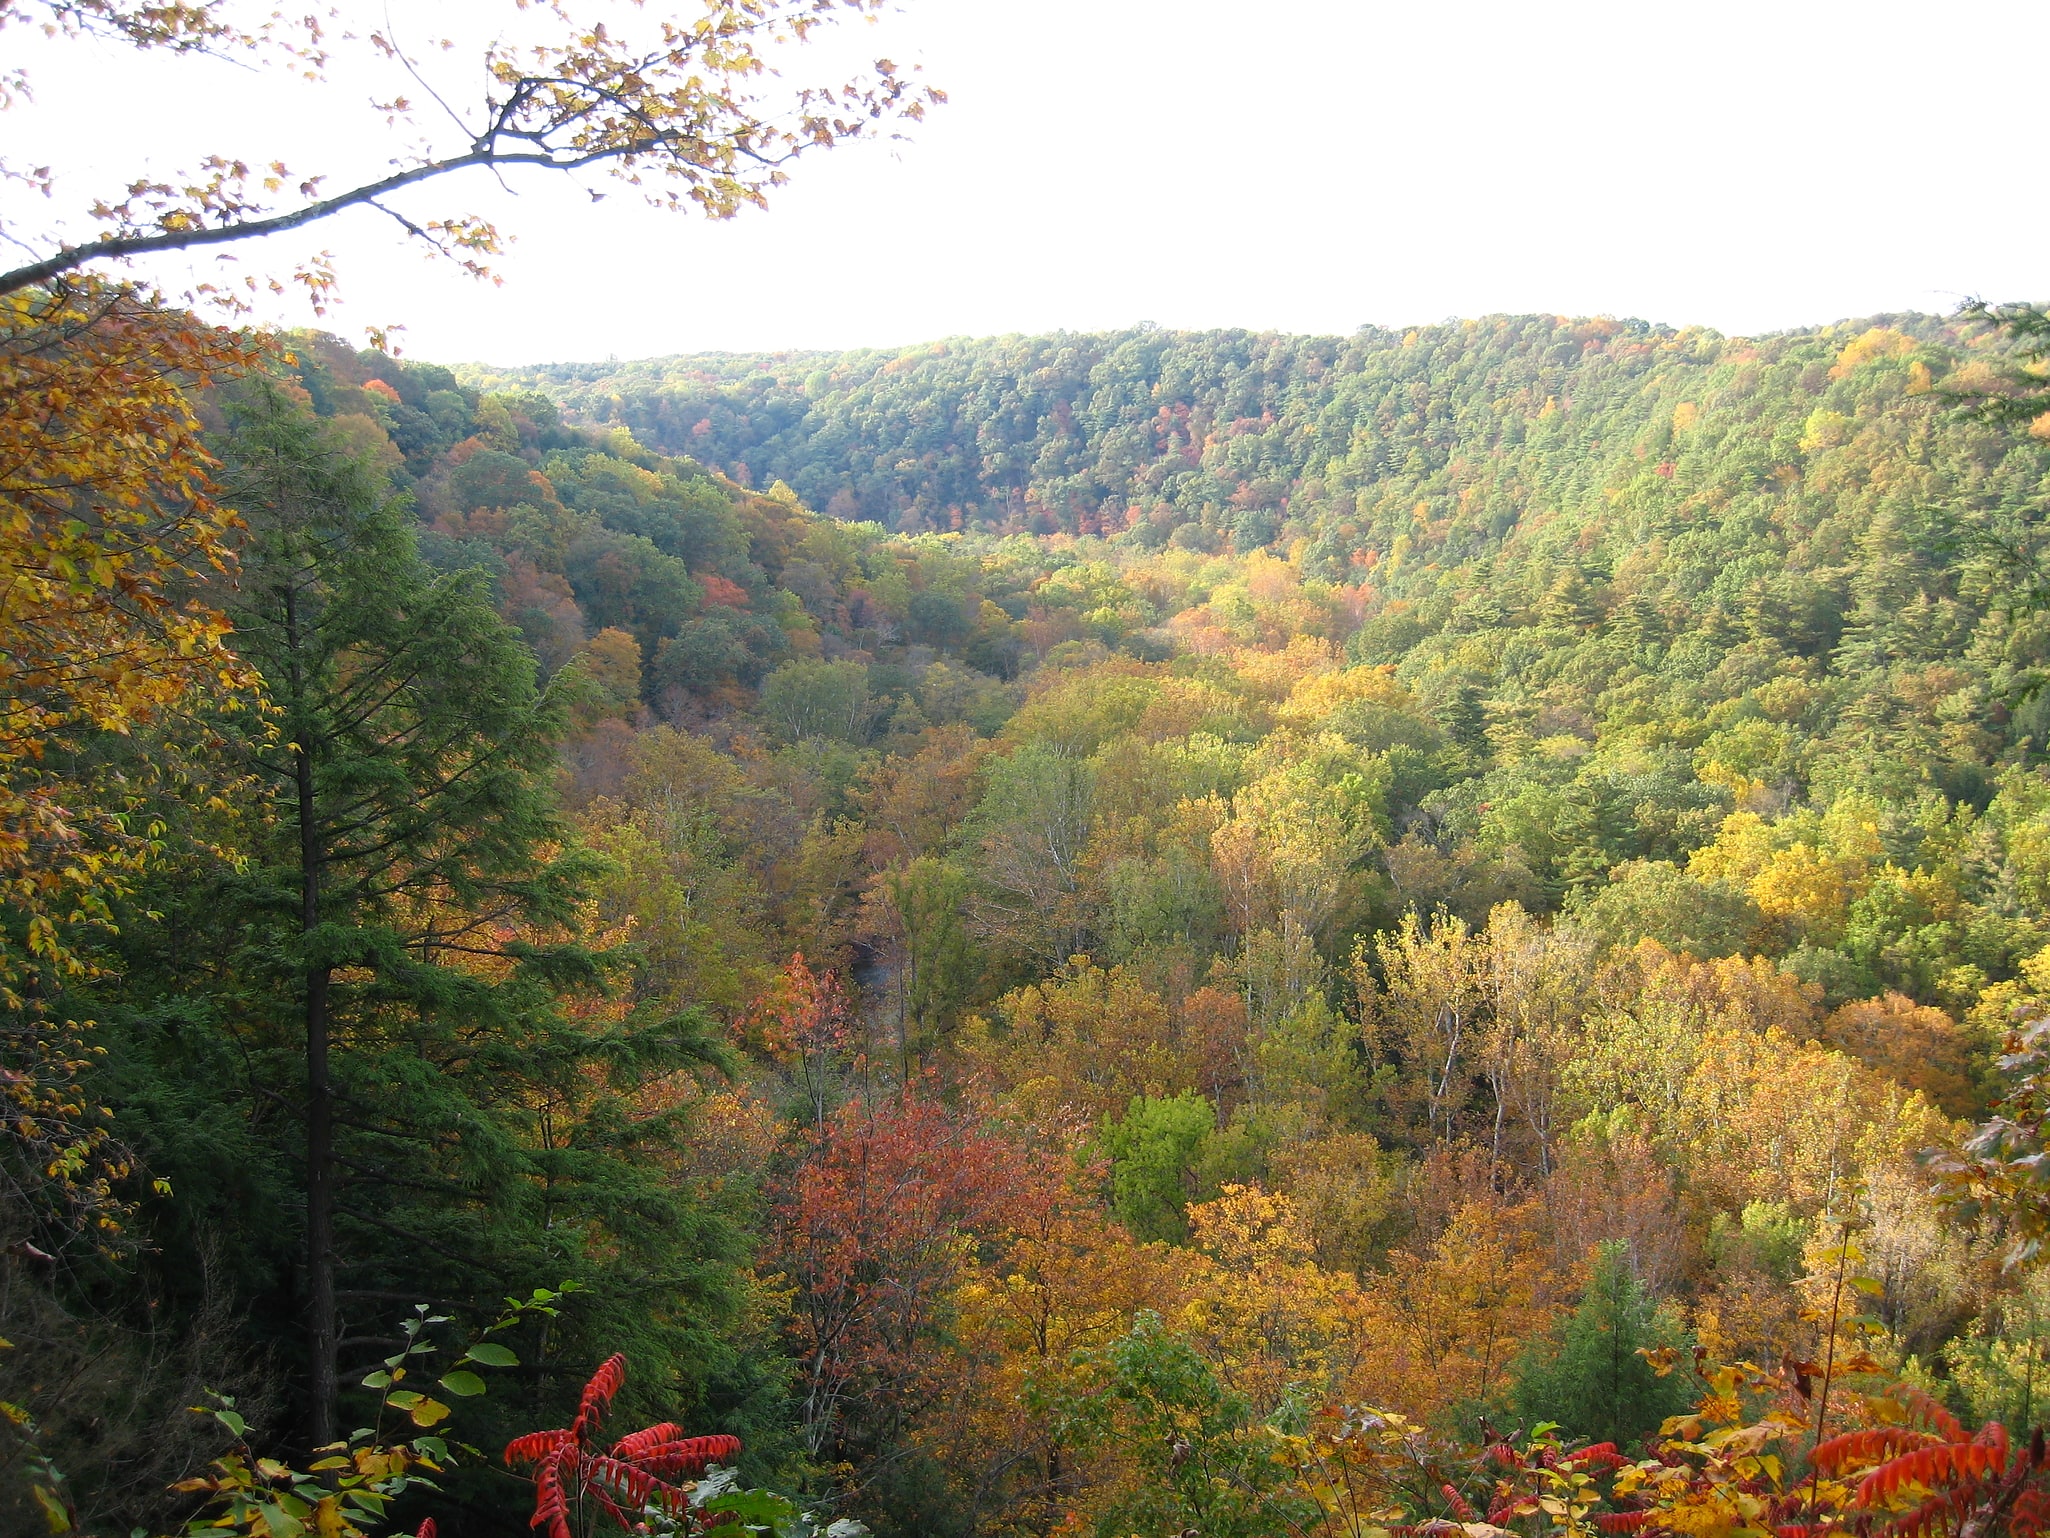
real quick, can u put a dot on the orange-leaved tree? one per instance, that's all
(875, 1233)
(109, 524)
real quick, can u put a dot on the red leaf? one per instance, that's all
(551, 1505)
(640, 1442)
(2031, 1512)
(1856, 1448)
(598, 1394)
(688, 1458)
(1931, 1467)
(534, 1446)
(1993, 1436)
(1932, 1518)
(1602, 1454)
(1932, 1414)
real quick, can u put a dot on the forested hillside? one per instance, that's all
(1149, 934)
(1642, 580)
(1251, 437)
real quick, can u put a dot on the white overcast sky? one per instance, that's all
(1307, 165)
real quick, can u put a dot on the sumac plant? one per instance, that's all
(654, 1481)
(1931, 1478)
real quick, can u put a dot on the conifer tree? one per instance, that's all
(1590, 1377)
(402, 944)
(407, 775)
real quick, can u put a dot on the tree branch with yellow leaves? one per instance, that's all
(674, 109)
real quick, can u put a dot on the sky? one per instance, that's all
(1300, 165)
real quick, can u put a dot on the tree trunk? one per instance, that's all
(320, 1212)
(320, 1137)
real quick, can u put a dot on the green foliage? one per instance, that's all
(1655, 899)
(1154, 1153)
(349, 1487)
(1591, 1378)
(1767, 1234)
(804, 700)
(2001, 1364)
(1207, 1462)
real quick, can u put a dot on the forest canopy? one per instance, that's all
(1135, 933)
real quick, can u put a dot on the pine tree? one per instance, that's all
(1590, 1377)
(398, 954)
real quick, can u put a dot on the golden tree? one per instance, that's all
(108, 524)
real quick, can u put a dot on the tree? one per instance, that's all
(1153, 1155)
(1591, 1377)
(108, 518)
(1061, 1281)
(1445, 1322)
(919, 907)
(1029, 832)
(1429, 1008)
(1085, 1042)
(670, 108)
(408, 777)
(1294, 836)
(1200, 1459)
(108, 514)
(801, 1021)
(806, 700)
(1535, 982)
(871, 1235)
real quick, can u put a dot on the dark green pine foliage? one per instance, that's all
(386, 1007)
(1590, 1377)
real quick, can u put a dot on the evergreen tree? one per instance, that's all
(1590, 1377)
(396, 963)
(407, 778)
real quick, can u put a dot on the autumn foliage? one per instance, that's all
(109, 526)
(573, 1472)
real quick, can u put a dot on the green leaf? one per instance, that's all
(54, 1514)
(405, 1398)
(236, 1424)
(378, 1379)
(491, 1354)
(760, 1509)
(463, 1384)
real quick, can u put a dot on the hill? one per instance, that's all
(1055, 889)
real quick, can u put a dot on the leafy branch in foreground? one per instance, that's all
(671, 108)
(653, 1481)
(349, 1487)
(110, 520)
